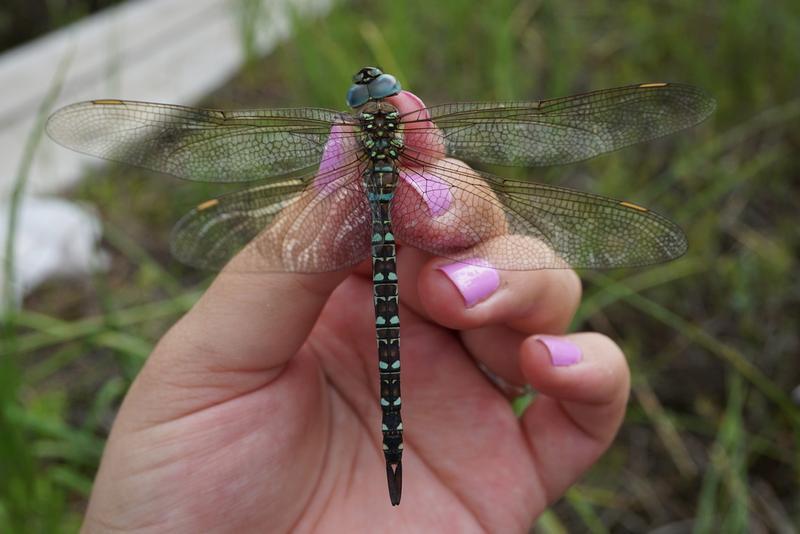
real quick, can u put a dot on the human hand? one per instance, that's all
(258, 411)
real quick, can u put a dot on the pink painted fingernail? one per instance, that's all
(562, 352)
(433, 190)
(474, 282)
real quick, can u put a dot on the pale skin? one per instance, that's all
(258, 411)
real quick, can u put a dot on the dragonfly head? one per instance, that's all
(370, 83)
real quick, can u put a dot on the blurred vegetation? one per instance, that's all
(711, 442)
(23, 20)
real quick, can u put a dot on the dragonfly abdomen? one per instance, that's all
(380, 189)
(382, 146)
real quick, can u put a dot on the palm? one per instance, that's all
(301, 445)
(465, 453)
(246, 418)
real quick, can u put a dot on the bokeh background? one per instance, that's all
(711, 438)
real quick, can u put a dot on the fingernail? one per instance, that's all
(474, 282)
(433, 190)
(563, 353)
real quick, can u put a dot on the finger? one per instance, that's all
(258, 312)
(250, 321)
(467, 297)
(493, 329)
(423, 141)
(462, 218)
(494, 310)
(583, 382)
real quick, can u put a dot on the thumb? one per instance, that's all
(237, 338)
(251, 320)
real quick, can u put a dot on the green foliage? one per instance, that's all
(711, 437)
(28, 502)
(23, 20)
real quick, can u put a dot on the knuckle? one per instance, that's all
(573, 288)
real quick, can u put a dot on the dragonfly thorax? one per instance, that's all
(381, 139)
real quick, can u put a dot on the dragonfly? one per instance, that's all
(336, 188)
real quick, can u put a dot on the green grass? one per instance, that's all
(711, 436)
(28, 501)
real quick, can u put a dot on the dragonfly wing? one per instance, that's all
(293, 225)
(525, 226)
(565, 130)
(201, 144)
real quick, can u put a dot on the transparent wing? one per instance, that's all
(564, 130)
(525, 226)
(201, 144)
(308, 224)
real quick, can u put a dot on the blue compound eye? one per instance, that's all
(358, 95)
(383, 86)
